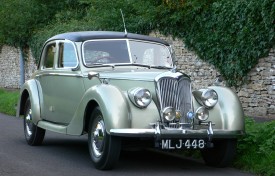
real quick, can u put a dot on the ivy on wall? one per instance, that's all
(231, 35)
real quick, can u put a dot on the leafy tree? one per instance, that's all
(17, 21)
(231, 35)
(20, 19)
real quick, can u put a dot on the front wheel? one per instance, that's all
(104, 149)
(34, 135)
(222, 154)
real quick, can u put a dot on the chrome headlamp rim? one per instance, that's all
(140, 97)
(209, 98)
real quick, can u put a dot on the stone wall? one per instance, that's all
(257, 97)
(9, 61)
(10, 67)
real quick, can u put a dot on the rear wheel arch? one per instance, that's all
(24, 96)
(34, 135)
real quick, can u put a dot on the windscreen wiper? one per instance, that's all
(160, 67)
(101, 65)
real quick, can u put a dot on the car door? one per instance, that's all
(62, 85)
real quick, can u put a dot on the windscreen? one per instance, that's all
(152, 54)
(119, 52)
(105, 52)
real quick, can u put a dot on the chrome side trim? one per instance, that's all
(121, 78)
(62, 74)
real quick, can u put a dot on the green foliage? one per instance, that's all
(256, 150)
(16, 21)
(66, 19)
(20, 18)
(8, 100)
(231, 35)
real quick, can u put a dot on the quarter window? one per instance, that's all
(49, 56)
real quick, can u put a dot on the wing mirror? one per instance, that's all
(92, 74)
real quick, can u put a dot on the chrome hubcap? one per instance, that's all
(98, 135)
(29, 123)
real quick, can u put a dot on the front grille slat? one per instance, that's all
(175, 92)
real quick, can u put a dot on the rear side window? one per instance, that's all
(67, 57)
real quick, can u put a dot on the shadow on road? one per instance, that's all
(142, 162)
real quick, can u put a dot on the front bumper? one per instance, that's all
(159, 132)
(175, 133)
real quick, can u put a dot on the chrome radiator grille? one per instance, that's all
(175, 92)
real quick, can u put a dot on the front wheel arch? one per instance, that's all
(91, 106)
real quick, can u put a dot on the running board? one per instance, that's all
(52, 127)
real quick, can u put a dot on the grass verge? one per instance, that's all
(8, 100)
(256, 150)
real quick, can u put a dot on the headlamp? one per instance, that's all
(140, 97)
(209, 98)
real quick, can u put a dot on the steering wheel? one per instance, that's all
(103, 59)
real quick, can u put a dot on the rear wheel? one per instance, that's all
(104, 149)
(34, 135)
(222, 154)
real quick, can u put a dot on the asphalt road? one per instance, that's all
(69, 156)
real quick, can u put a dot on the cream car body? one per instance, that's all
(114, 86)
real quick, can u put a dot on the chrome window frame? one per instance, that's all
(58, 50)
(82, 51)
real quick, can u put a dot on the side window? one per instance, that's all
(67, 57)
(49, 56)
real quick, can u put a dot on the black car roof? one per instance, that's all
(89, 35)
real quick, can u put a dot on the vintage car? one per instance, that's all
(123, 90)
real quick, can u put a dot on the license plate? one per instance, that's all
(182, 144)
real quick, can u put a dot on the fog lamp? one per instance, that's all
(202, 113)
(169, 113)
